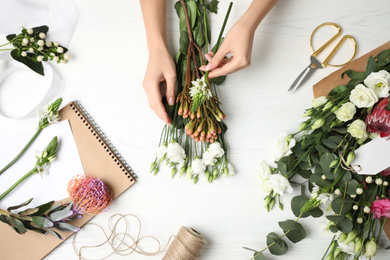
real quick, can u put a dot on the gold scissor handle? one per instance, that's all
(330, 56)
(315, 53)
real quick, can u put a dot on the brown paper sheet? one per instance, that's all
(98, 160)
(323, 87)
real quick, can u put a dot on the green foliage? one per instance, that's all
(28, 61)
(213, 6)
(295, 230)
(279, 246)
(341, 206)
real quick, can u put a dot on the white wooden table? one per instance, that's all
(109, 57)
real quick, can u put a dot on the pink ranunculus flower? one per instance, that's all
(381, 208)
(385, 172)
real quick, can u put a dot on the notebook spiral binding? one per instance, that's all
(103, 136)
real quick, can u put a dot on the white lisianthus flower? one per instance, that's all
(345, 112)
(216, 150)
(363, 97)
(231, 169)
(198, 166)
(280, 184)
(264, 172)
(358, 129)
(209, 159)
(347, 248)
(161, 151)
(43, 170)
(283, 146)
(379, 82)
(319, 101)
(175, 153)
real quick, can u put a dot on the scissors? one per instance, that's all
(314, 63)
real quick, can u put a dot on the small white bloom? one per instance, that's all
(323, 177)
(38, 154)
(366, 209)
(55, 44)
(231, 169)
(283, 146)
(337, 192)
(30, 31)
(363, 97)
(385, 183)
(314, 191)
(42, 35)
(319, 101)
(175, 153)
(63, 61)
(52, 54)
(358, 129)
(355, 207)
(60, 50)
(53, 117)
(161, 151)
(43, 170)
(67, 56)
(40, 58)
(209, 159)
(198, 166)
(379, 82)
(194, 90)
(32, 40)
(216, 150)
(40, 48)
(379, 181)
(325, 197)
(199, 82)
(359, 220)
(25, 41)
(55, 58)
(368, 179)
(43, 112)
(353, 196)
(24, 54)
(359, 191)
(31, 50)
(48, 43)
(349, 248)
(207, 93)
(280, 184)
(345, 112)
(41, 43)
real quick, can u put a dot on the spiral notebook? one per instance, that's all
(99, 159)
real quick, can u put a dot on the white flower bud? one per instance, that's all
(41, 43)
(40, 58)
(60, 50)
(355, 207)
(55, 58)
(323, 177)
(24, 54)
(32, 40)
(359, 220)
(379, 181)
(48, 43)
(385, 183)
(64, 61)
(367, 209)
(42, 35)
(368, 179)
(52, 54)
(67, 57)
(31, 50)
(353, 196)
(337, 192)
(30, 31)
(40, 48)
(25, 41)
(359, 191)
(55, 44)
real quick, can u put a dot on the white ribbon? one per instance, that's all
(59, 15)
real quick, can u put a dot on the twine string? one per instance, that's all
(347, 167)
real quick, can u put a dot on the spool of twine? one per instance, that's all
(187, 245)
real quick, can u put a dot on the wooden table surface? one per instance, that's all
(109, 57)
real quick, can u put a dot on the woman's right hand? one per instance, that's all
(161, 68)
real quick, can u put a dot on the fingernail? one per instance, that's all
(209, 66)
(171, 101)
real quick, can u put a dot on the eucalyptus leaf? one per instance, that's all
(335, 218)
(345, 225)
(296, 232)
(259, 256)
(333, 228)
(341, 206)
(383, 58)
(325, 160)
(279, 246)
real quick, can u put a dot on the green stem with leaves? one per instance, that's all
(23, 150)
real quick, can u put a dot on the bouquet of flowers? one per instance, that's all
(197, 117)
(321, 151)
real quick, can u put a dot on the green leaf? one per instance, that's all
(41, 222)
(218, 80)
(279, 246)
(59, 215)
(28, 212)
(337, 90)
(325, 161)
(55, 234)
(371, 66)
(387, 248)
(335, 218)
(321, 149)
(184, 43)
(17, 224)
(336, 139)
(10, 37)
(213, 6)
(354, 74)
(259, 256)
(296, 204)
(68, 227)
(341, 130)
(44, 208)
(296, 230)
(383, 58)
(304, 173)
(198, 36)
(341, 206)
(34, 65)
(345, 225)
(43, 28)
(20, 205)
(333, 228)
(192, 10)
(281, 167)
(330, 144)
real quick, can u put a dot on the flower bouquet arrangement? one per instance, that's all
(30, 47)
(321, 153)
(195, 140)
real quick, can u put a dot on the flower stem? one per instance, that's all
(6, 49)
(5, 44)
(33, 171)
(22, 152)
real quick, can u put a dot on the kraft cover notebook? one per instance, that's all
(323, 87)
(99, 159)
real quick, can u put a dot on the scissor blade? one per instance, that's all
(299, 79)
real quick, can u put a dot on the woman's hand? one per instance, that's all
(161, 68)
